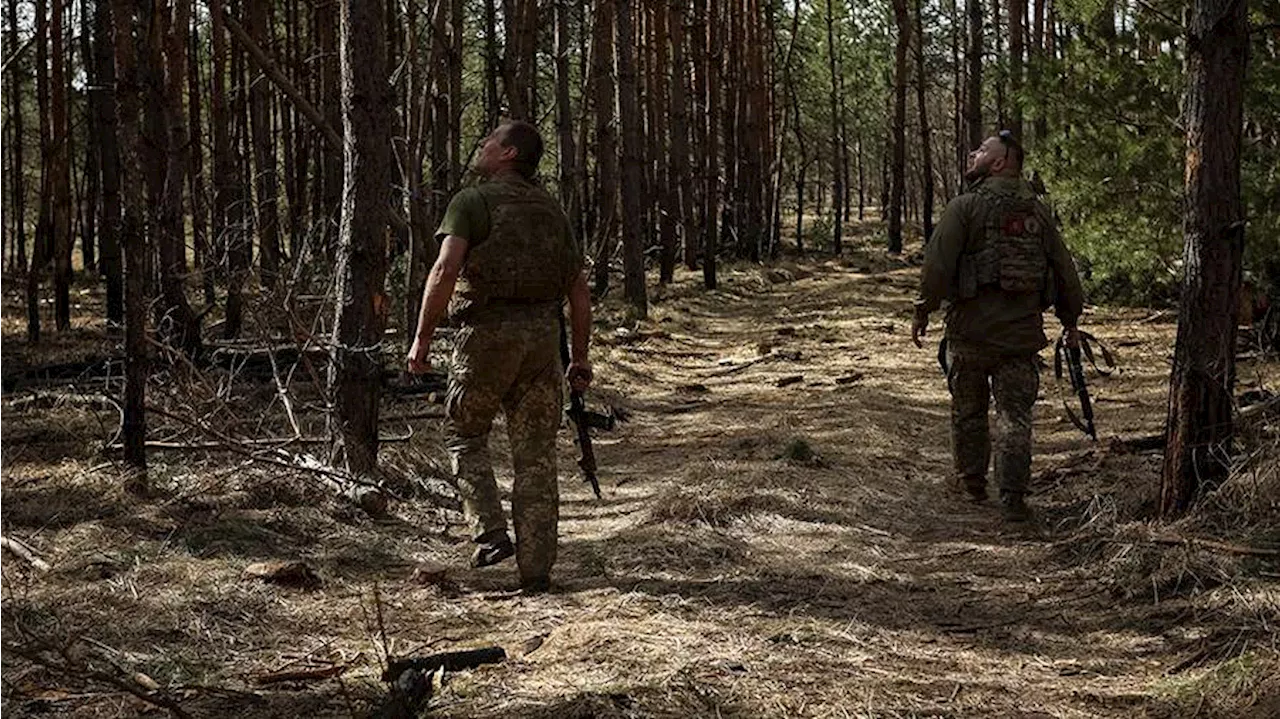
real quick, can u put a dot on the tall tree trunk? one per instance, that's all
(17, 183)
(680, 170)
(132, 234)
(60, 166)
(568, 154)
(331, 99)
(1198, 440)
(457, 31)
(606, 141)
(492, 64)
(711, 199)
(520, 18)
(973, 93)
(228, 209)
(180, 326)
(926, 137)
(699, 209)
(837, 142)
(897, 193)
(103, 99)
(368, 103)
(1017, 17)
(203, 255)
(41, 251)
(632, 164)
(264, 152)
(666, 185)
(92, 155)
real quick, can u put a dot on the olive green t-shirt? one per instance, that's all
(467, 217)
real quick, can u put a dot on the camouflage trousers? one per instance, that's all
(510, 364)
(977, 375)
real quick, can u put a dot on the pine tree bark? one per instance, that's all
(1017, 16)
(179, 325)
(492, 64)
(632, 164)
(897, 193)
(132, 234)
(837, 142)
(973, 90)
(103, 100)
(17, 181)
(567, 152)
(602, 55)
(60, 168)
(41, 251)
(666, 185)
(519, 79)
(1198, 436)
(680, 170)
(699, 207)
(264, 153)
(368, 102)
(711, 198)
(228, 210)
(92, 153)
(926, 136)
(203, 254)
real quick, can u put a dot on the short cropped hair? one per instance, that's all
(1016, 152)
(525, 138)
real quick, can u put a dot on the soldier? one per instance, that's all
(998, 260)
(508, 248)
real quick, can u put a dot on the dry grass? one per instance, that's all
(759, 551)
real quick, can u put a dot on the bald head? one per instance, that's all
(1000, 155)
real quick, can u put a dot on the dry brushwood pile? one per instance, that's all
(774, 538)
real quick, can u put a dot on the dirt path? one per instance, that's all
(728, 572)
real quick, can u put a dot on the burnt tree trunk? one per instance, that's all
(1198, 440)
(368, 102)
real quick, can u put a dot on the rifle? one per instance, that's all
(1075, 370)
(582, 420)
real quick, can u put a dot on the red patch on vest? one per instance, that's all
(1015, 225)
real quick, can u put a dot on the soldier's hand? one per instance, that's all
(579, 375)
(1071, 338)
(418, 362)
(919, 326)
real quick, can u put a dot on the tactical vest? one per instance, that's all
(1011, 249)
(528, 256)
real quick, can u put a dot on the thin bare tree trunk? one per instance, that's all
(712, 82)
(60, 166)
(132, 233)
(203, 255)
(179, 326)
(666, 185)
(17, 183)
(264, 153)
(368, 105)
(606, 141)
(492, 64)
(1198, 438)
(568, 154)
(926, 137)
(973, 93)
(699, 202)
(632, 164)
(680, 170)
(92, 150)
(837, 141)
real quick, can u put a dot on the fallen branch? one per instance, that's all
(300, 675)
(25, 553)
(451, 661)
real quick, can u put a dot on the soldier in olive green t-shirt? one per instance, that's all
(507, 262)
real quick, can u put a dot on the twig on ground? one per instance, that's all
(27, 554)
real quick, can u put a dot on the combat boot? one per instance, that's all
(974, 486)
(1013, 507)
(494, 547)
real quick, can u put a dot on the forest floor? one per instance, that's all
(766, 546)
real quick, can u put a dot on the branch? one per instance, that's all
(265, 63)
(22, 551)
(17, 54)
